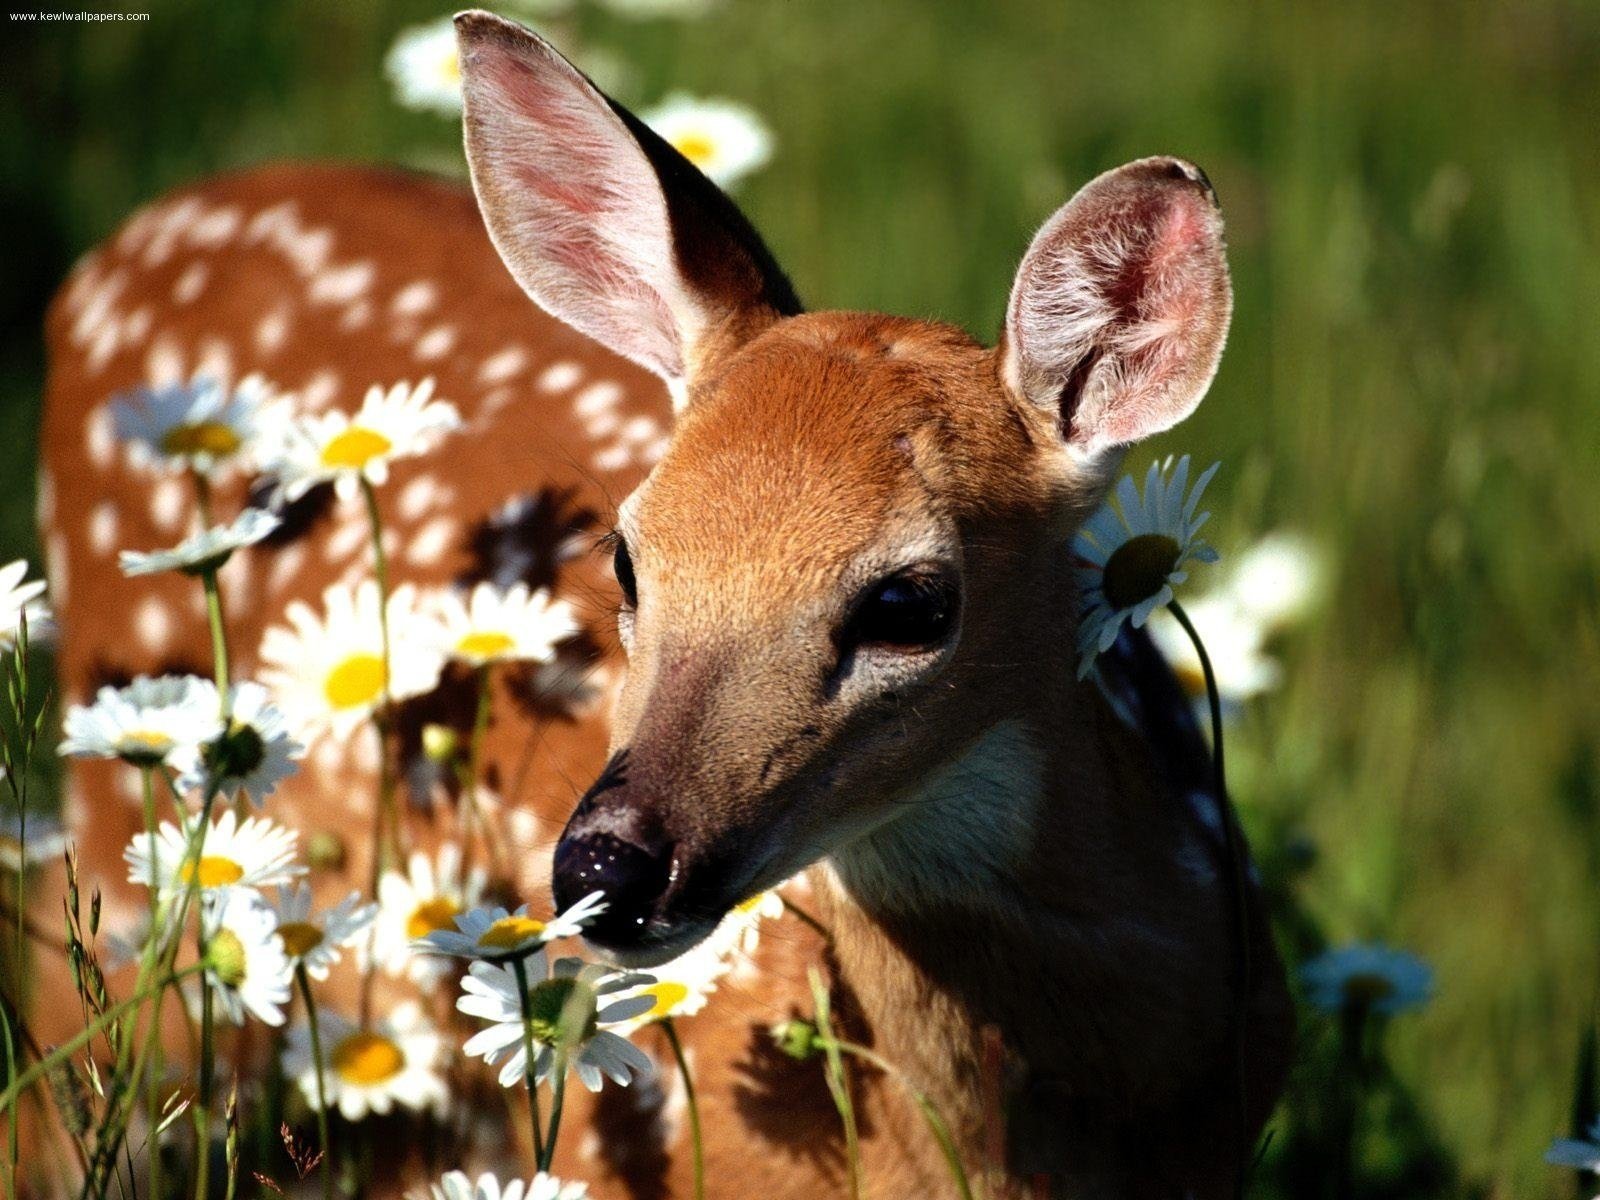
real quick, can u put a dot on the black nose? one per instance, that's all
(632, 878)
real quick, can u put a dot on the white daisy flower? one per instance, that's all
(724, 139)
(566, 1012)
(18, 597)
(46, 839)
(149, 723)
(403, 422)
(428, 897)
(1369, 977)
(1276, 580)
(1235, 642)
(254, 756)
(456, 1185)
(496, 935)
(198, 424)
(327, 671)
(495, 624)
(1580, 1154)
(1131, 555)
(395, 1061)
(249, 854)
(424, 68)
(684, 985)
(314, 938)
(205, 551)
(246, 966)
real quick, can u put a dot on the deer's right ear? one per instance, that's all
(605, 225)
(1120, 308)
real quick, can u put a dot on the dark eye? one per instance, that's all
(622, 564)
(908, 611)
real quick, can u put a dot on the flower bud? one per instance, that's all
(325, 851)
(440, 743)
(797, 1039)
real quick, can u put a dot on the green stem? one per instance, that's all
(693, 1105)
(386, 820)
(87, 1034)
(202, 501)
(219, 639)
(525, 998)
(558, 1093)
(304, 980)
(152, 1094)
(936, 1123)
(838, 1083)
(1233, 849)
(474, 772)
(202, 1108)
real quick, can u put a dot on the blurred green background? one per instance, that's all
(1413, 380)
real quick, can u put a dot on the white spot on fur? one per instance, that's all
(44, 507)
(429, 544)
(167, 503)
(436, 343)
(596, 398)
(215, 359)
(655, 451)
(613, 458)
(103, 527)
(99, 306)
(216, 227)
(502, 366)
(286, 564)
(272, 330)
(103, 347)
(558, 377)
(350, 535)
(190, 284)
(152, 624)
(163, 364)
(641, 430)
(493, 402)
(55, 566)
(418, 496)
(603, 425)
(320, 390)
(342, 285)
(414, 299)
(357, 316)
(99, 437)
(137, 327)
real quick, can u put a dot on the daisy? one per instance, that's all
(395, 1061)
(1580, 1154)
(724, 139)
(495, 624)
(149, 723)
(327, 670)
(403, 422)
(17, 598)
(424, 68)
(1276, 580)
(312, 939)
(198, 424)
(205, 551)
(46, 839)
(255, 755)
(497, 935)
(455, 1185)
(428, 897)
(1235, 643)
(1371, 978)
(566, 1014)
(1129, 560)
(251, 854)
(246, 966)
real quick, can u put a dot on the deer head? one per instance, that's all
(851, 562)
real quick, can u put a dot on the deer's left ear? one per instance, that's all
(603, 223)
(1120, 309)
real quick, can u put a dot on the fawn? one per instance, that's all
(846, 610)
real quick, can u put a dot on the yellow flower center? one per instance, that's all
(1366, 989)
(213, 871)
(202, 437)
(144, 743)
(355, 448)
(367, 1058)
(509, 932)
(438, 912)
(668, 995)
(450, 68)
(485, 643)
(747, 906)
(698, 148)
(1138, 569)
(356, 681)
(299, 937)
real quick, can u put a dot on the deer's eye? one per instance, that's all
(910, 610)
(622, 564)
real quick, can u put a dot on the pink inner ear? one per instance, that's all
(1121, 306)
(574, 206)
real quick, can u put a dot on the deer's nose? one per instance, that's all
(634, 879)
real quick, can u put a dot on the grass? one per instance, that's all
(1413, 379)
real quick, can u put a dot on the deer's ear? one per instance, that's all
(1120, 309)
(605, 225)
